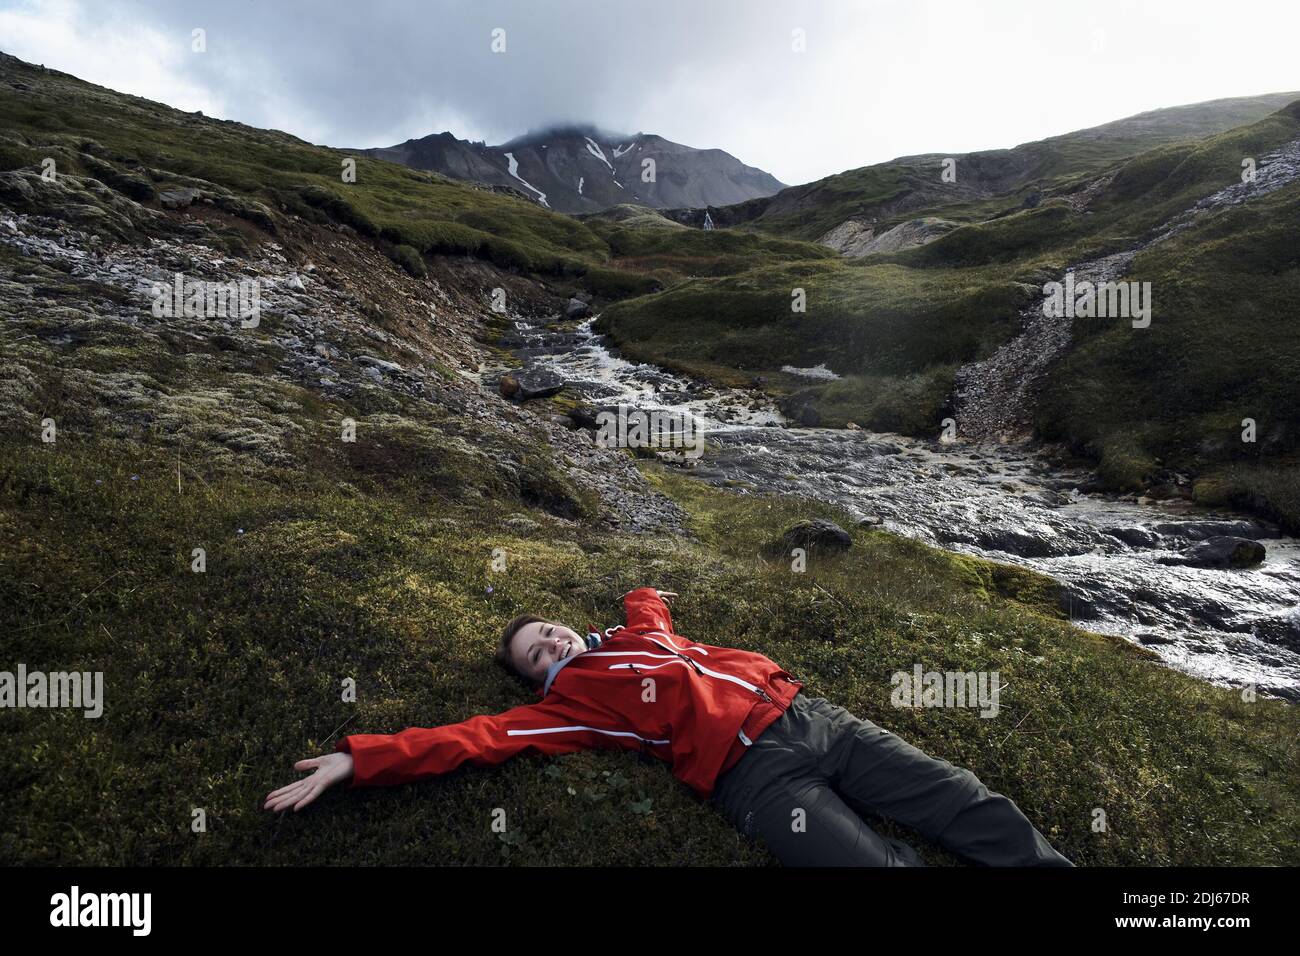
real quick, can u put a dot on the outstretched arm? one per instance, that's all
(647, 610)
(386, 759)
(420, 752)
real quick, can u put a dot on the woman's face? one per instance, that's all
(538, 645)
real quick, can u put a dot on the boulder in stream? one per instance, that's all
(1282, 629)
(1038, 541)
(584, 416)
(1135, 536)
(531, 383)
(1220, 551)
(1207, 529)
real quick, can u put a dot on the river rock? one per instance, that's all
(577, 309)
(1221, 551)
(178, 198)
(584, 416)
(1135, 537)
(536, 383)
(1282, 629)
(1203, 530)
(817, 535)
(381, 364)
(808, 416)
(1079, 604)
(1151, 638)
(1042, 542)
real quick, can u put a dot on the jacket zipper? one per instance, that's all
(711, 673)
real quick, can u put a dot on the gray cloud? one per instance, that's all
(367, 72)
(879, 79)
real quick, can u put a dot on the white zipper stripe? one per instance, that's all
(579, 727)
(627, 654)
(648, 667)
(718, 674)
(669, 638)
(735, 680)
(676, 656)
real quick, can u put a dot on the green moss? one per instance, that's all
(619, 283)
(377, 582)
(410, 260)
(1270, 490)
(866, 319)
(1220, 348)
(1005, 239)
(908, 404)
(1124, 464)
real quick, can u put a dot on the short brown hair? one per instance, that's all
(502, 655)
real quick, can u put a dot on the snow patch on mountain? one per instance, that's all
(595, 150)
(514, 171)
(702, 177)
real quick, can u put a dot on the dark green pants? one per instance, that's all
(803, 782)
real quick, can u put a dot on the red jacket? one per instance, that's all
(646, 688)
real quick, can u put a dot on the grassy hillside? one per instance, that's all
(991, 181)
(217, 682)
(897, 326)
(372, 560)
(881, 322)
(1223, 346)
(141, 148)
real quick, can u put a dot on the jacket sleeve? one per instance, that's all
(646, 611)
(420, 752)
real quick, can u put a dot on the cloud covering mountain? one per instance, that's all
(873, 81)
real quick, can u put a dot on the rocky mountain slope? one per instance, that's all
(882, 196)
(578, 170)
(994, 397)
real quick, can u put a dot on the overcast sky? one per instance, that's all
(878, 78)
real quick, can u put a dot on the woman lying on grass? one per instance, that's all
(792, 769)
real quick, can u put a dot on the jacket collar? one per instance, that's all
(555, 669)
(593, 639)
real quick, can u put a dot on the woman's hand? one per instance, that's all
(330, 769)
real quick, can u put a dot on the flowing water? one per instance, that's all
(1239, 627)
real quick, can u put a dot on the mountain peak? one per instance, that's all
(546, 134)
(581, 168)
